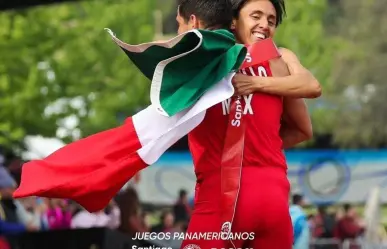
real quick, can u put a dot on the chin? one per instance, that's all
(250, 42)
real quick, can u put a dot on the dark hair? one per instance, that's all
(129, 205)
(322, 209)
(296, 199)
(182, 193)
(214, 14)
(279, 6)
(347, 207)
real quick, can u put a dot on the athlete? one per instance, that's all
(255, 20)
(262, 201)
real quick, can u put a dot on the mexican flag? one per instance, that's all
(92, 170)
(190, 73)
(185, 67)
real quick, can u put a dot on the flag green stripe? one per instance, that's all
(149, 59)
(190, 76)
(148, 55)
(185, 67)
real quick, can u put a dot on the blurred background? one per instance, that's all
(62, 78)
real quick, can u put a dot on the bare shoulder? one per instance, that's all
(288, 55)
(292, 61)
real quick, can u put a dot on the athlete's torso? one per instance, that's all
(262, 146)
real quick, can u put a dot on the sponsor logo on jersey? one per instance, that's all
(236, 121)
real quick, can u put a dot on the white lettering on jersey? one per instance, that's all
(248, 58)
(248, 109)
(238, 113)
(262, 71)
(226, 106)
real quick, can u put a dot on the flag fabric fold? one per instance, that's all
(184, 68)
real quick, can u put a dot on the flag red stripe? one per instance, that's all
(90, 171)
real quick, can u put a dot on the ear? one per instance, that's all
(233, 25)
(194, 22)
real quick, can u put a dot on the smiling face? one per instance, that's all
(256, 21)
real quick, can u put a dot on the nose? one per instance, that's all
(264, 24)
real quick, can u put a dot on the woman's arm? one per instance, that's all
(299, 84)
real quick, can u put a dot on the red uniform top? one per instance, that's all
(263, 145)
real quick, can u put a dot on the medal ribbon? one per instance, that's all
(232, 155)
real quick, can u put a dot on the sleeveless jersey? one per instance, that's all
(263, 144)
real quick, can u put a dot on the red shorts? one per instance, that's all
(262, 209)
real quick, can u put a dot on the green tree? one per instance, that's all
(58, 65)
(303, 31)
(359, 73)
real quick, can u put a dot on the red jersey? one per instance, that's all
(263, 144)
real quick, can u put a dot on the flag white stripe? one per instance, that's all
(157, 133)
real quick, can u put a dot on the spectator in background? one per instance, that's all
(14, 165)
(58, 214)
(301, 230)
(131, 214)
(182, 209)
(110, 218)
(31, 211)
(166, 223)
(349, 226)
(10, 222)
(311, 222)
(114, 214)
(324, 224)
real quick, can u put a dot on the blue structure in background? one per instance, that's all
(301, 165)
